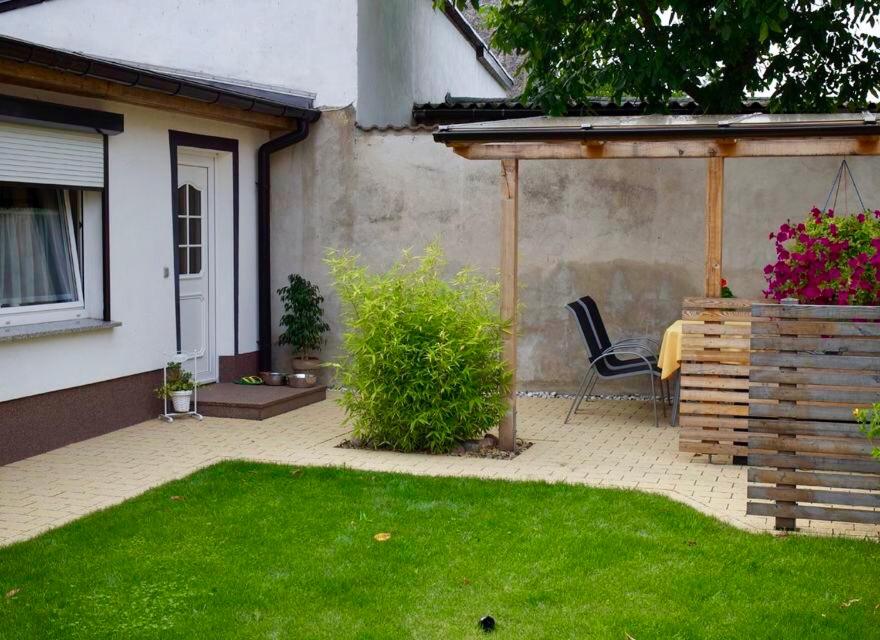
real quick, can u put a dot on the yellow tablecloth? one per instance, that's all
(670, 350)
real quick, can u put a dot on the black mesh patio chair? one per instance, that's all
(611, 360)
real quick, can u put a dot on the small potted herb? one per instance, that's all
(178, 387)
(302, 322)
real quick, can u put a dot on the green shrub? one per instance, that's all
(424, 367)
(303, 317)
(869, 423)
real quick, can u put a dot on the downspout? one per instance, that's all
(264, 194)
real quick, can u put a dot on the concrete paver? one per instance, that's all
(612, 443)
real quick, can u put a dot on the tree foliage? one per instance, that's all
(808, 55)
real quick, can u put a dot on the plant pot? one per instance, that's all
(180, 400)
(305, 364)
(302, 380)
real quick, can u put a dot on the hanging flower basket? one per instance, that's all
(828, 259)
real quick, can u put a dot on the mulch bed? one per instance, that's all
(484, 448)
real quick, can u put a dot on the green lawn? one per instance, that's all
(244, 550)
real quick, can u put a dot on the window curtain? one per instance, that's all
(36, 261)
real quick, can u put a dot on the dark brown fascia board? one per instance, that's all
(12, 5)
(26, 111)
(204, 91)
(541, 134)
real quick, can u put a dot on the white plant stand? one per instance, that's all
(182, 358)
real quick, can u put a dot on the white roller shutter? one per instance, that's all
(35, 154)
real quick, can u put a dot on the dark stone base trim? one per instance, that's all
(36, 424)
(234, 367)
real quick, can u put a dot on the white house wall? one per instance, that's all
(141, 247)
(408, 52)
(309, 45)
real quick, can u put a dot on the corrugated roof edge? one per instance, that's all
(130, 74)
(540, 129)
(456, 110)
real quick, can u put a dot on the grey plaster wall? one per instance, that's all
(629, 233)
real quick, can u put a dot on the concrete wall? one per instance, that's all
(309, 45)
(407, 53)
(629, 233)
(141, 246)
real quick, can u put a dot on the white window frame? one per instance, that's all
(188, 275)
(55, 311)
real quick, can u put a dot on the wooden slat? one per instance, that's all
(817, 463)
(806, 428)
(813, 343)
(813, 361)
(715, 382)
(817, 377)
(816, 496)
(816, 312)
(812, 513)
(718, 342)
(845, 395)
(712, 329)
(708, 408)
(815, 479)
(805, 327)
(715, 315)
(712, 448)
(713, 422)
(713, 369)
(720, 435)
(800, 412)
(725, 357)
(829, 446)
(715, 395)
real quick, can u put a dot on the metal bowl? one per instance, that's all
(301, 380)
(272, 378)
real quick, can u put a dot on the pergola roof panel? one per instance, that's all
(661, 127)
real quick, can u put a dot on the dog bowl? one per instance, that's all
(301, 380)
(272, 378)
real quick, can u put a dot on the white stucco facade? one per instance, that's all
(379, 55)
(308, 45)
(409, 53)
(141, 248)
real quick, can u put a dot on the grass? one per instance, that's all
(244, 550)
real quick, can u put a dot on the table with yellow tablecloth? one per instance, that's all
(669, 359)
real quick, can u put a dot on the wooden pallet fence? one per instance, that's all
(813, 364)
(714, 406)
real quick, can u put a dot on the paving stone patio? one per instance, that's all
(611, 444)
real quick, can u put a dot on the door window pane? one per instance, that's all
(195, 231)
(189, 229)
(37, 253)
(195, 260)
(181, 256)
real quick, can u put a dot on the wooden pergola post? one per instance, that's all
(714, 225)
(509, 241)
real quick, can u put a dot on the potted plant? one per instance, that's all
(178, 387)
(302, 321)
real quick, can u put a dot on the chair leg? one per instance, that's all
(577, 397)
(654, 400)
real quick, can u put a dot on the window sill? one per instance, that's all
(60, 328)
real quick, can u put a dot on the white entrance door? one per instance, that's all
(195, 244)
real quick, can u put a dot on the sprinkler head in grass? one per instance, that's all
(487, 623)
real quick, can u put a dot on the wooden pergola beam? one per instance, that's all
(867, 145)
(714, 225)
(509, 267)
(36, 77)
